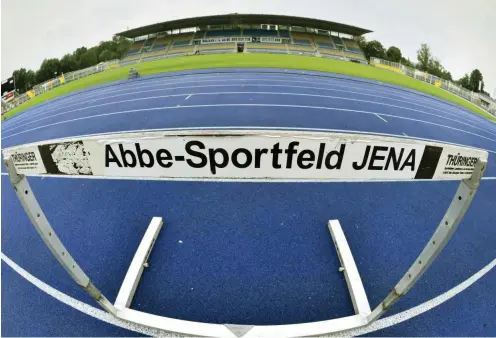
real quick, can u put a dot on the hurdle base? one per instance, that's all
(350, 271)
(138, 264)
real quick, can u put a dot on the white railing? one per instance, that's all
(480, 100)
(53, 83)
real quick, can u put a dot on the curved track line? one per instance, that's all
(422, 308)
(261, 93)
(245, 105)
(377, 325)
(131, 91)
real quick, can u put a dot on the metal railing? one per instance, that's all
(53, 83)
(478, 99)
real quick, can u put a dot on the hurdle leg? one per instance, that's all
(446, 228)
(40, 222)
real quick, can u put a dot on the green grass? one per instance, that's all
(251, 60)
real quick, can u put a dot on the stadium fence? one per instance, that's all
(55, 82)
(478, 99)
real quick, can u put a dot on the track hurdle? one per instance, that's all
(248, 155)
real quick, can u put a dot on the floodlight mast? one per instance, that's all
(364, 316)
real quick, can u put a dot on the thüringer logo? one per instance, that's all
(24, 157)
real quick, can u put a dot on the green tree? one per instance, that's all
(82, 57)
(435, 68)
(464, 82)
(424, 56)
(30, 79)
(374, 49)
(78, 53)
(406, 62)
(361, 42)
(105, 55)
(48, 70)
(20, 79)
(122, 45)
(475, 79)
(109, 45)
(88, 58)
(393, 54)
(446, 75)
(68, 63)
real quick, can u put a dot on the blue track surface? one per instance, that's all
(249, 253)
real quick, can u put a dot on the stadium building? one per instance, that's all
(245, 33)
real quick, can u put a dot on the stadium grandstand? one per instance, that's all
(244, 33)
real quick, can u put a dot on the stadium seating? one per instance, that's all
(182, 39)
(134, 57)
(259, 32)
(323, 42)
(333, 52)
(148, 44)
(326, 45)
(222, 33)
(337, 41)
(181, 43)
(160, 44)
(284, 34)
(302, 43)
(154, 54)
(352, 46)
(302, 38)
(199, 34)
(157, 47)
(355, 56)
(134, 52)
(277, 48)
(216, 47)
(181, 50)
(135, 48)
(301, 49)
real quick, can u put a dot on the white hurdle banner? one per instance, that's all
(241, 154)
(248, 155)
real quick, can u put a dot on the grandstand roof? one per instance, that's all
(233, 19)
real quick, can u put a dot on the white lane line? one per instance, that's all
(327, 81)
(187, 97)
(245, 105)
(379, 116)
(50, 107)
(259, 81)
(244, 93)
(405, 134)
(422, 308)
(377, 325)
(78, 305)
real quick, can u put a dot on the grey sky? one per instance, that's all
(461, 34)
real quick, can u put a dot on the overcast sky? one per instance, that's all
(461, 34)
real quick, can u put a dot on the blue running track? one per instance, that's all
(249, 253)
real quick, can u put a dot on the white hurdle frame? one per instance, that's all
(363, 314)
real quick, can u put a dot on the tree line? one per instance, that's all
(426, 62)
(79, 59)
